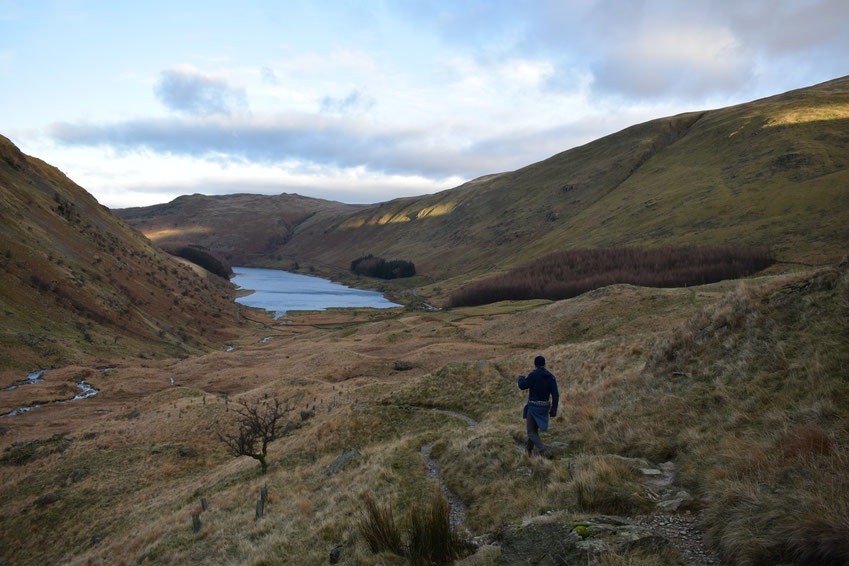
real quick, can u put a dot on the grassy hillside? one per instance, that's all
(742, 386)
(771, 172)
(77, 282)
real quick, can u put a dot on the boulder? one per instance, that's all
(341, 461)
(562, 540)
(336, 554)
(47, 499)
(674, 500)
(187, 451)
(402, 365)
(78, 474)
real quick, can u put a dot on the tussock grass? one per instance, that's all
(749, 397)
(378, 527)
(425, 538)
(431, 541)
(604, 485)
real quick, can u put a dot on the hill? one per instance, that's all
(77, 283)
(772, 172)
(244, 228)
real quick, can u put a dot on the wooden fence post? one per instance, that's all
(203, 503)
(260, 509)
(195, 522)
(263, 494)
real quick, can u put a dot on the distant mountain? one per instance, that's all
(242, 227)
(772, 172)
(77, 281)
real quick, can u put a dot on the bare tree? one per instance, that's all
(258, 425)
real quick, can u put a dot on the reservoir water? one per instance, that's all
(281, 291)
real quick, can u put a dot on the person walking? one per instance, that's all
(542, 384)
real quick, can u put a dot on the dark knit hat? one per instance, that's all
(539, 361)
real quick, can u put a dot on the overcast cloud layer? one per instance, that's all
(367, 102)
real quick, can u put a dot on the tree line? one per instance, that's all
(372, 266)
(566, 274)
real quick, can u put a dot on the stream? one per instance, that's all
(86, 391)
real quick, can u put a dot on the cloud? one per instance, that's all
(187, 90)
(686, 61)
(327, 142)
(653, 50)
(311, 138)
(354, 102)
(268, 75)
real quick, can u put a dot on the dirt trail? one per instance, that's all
(457, 509)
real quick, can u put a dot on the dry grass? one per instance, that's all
(747, 396)
(378, 527)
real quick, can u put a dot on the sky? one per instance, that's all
(366, 101)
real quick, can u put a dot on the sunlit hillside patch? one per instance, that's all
(437, 210)
(813, 113)
(403, 216)
(164, 233)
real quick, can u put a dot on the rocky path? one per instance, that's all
(457, 509)
(683, 532)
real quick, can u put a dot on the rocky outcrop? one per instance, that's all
(564, 540)
(341, 461)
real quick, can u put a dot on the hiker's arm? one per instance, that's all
(555, 399)
(525, 383)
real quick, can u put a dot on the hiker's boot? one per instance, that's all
(548, 455)
(530, 448)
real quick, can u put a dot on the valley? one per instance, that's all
(698, 425)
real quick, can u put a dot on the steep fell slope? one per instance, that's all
(772, 172)
(77, 281)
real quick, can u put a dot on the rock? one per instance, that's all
(47, 499)
(524, 471)
(187, 451)
(401, 365)
(675, 501)
(538, 543)
(558, 449)
(336, 554)
(563, 541)
(650, 472)
(134, 414)
(78, 474)
(639, 462)
(474, 443)
(96, 538)
(4, 430)
(480, 365)
(341, 461)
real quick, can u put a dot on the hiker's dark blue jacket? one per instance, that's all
(542, 385)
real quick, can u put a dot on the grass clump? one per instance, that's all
(604, 485)
(428, 537)
(378, 528)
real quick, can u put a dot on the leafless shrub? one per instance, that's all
(258, 425)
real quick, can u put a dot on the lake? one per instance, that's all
(281, 291)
